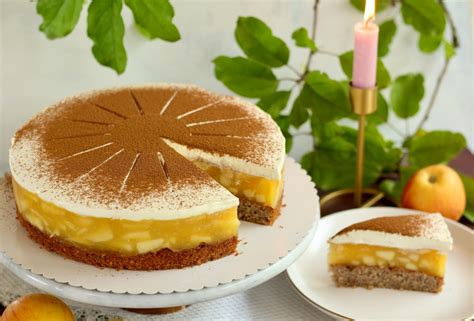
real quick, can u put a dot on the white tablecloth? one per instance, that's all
(273, 300)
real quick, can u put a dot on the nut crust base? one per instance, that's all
(384, 277)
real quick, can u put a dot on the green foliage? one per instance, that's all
(435, 147)
(154, 17)
(428, 18)
(301, 38)
(59, 16)
(449, 50)
(332, 163)
(383, 76)
(245, 77)
(429, 42)
(329, 98)
(284, 123)
(387, 31)
(105, 28)
(469, 188)
(275, 102)
(407, 92)
(257, 41)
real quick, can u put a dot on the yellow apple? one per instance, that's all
(436, 188)
(38, 307)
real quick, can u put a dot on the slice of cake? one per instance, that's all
(397, 252)
(146, 177)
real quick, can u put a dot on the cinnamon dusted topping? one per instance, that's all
(426, 225)
(113, 149)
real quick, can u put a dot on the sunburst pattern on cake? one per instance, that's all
(125, 149)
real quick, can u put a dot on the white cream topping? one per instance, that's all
(227, 161)
(436, 237)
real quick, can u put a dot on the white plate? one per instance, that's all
(310, 276)
(259, 247)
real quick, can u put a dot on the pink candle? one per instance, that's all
(364, 68)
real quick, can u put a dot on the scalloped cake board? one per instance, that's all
(259, 247)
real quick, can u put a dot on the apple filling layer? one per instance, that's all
(125, 236)
(259, 189)
(427, 261)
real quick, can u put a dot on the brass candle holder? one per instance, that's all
(364, 102)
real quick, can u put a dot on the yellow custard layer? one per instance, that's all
(125, 236)
(254, 188)
(427, 261)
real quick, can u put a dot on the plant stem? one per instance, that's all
(395, 129)
(313, 37)
(454, 32)
(439, 80)
(288, 79)
(294, 70)
(328, 53)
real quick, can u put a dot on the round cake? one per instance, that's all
(147, 177)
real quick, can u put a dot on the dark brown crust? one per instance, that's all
(384, 277)
(254, 212)
(162, 260)
(408, 225)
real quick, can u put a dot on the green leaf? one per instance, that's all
(449, 50)
(59, 16)
(386, 33)
(245, 77)
(284, 123)
(427, 16)
(429, 42)
(274, 103)
(105, 28)
(435, 147)
(300, 111)
(379, 4)
(469, 188)
(383, 77)
(381, 114)
(407, 92)
(301, 38)
(258, 42)
(332, 163)
(325, 130)
(328, 99)
(155, 17)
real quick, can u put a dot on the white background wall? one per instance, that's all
(36, 72)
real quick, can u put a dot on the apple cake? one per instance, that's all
(399, 252)
(148, 177)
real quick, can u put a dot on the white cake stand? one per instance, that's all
(263, 251)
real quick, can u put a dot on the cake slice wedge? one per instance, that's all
(398, 252)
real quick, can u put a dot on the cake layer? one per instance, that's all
(125, 236)
(108, 153)
(266, 192)
(385, 277)
(254, 212)
(427, 261)
(160, 260)
(411, 232)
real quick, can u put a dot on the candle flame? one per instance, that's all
(369, 13)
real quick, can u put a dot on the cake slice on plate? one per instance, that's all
(397, 252)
